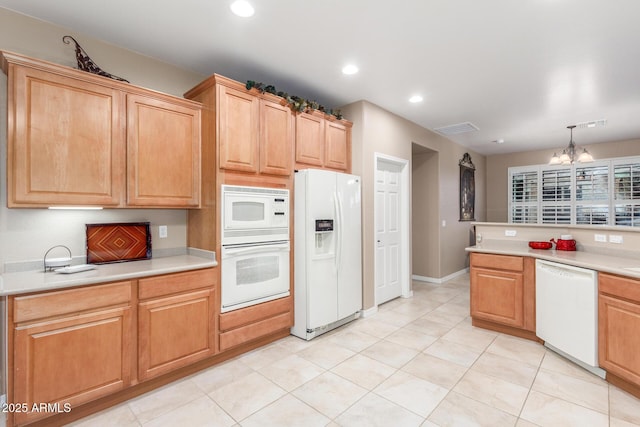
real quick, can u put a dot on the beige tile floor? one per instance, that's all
(416, 362)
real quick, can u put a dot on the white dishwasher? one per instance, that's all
(567, 312)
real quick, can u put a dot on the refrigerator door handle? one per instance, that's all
(340, 234)
(337, 242)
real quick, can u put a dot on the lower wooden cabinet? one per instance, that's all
(247, 324)
(71, 347)
(176, 321)
(618, 326)
(503, 292)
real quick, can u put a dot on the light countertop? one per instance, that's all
(34, 281)
(627, 264)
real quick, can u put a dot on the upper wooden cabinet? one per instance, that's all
(276, 138)
(309, 140)
(163, 153)
(75, 138)
(322, 142)
(238, 122)
(65, 140)
(338, 145)
(253, 132)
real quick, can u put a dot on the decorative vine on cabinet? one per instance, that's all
(75, 138)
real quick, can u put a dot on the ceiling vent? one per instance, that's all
(456, 129)
(592, 124)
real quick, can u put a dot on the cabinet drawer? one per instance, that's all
(50, 304)
(623, 287)
(499, 262)
(255, 313)
(255, 330)
(174, 283)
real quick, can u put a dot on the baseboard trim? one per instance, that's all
(440, 280)
(369, 311)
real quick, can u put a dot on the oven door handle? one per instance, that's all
(255, 249)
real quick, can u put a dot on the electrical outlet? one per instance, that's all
(162, 231)
(600, 237)
(510, 233)
(615, 238)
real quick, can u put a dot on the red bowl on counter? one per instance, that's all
(540, 245)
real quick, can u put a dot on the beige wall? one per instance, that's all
(379, 131)
(27, 233)
(498, 165)
(425, 213)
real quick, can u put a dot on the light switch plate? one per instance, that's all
(600, 237)
(510, 233)
(162, 231)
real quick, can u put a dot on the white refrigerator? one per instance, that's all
(327, 251)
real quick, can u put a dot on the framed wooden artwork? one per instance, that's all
(467, 188)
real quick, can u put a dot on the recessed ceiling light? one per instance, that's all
(415, 98)
(242, 8)
(499, 141)
(349, 69)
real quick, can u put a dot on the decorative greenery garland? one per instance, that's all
(295, 102)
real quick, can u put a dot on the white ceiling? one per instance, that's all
(519, 70)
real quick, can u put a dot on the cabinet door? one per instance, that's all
(72, 360)
(309, 139)
(276, 139)
(163, 153)
(175, 331)
(618, 338)
(238, 129)
(337, 145)
(65, 141)
(497, 296)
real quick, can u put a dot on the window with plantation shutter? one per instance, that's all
(626, 189)
(524, 196)
(605, 192)
(556, 196)
(592, 193)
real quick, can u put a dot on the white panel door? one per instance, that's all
(388, 231)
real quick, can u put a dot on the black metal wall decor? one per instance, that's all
(467, 188)
(86, 64)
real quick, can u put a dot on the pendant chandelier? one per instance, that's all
(570, 154)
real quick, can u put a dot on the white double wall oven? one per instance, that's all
(255, 245)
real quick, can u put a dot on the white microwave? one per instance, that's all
(254, 214)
